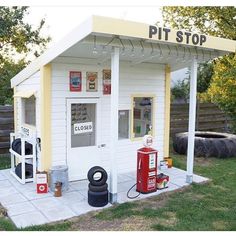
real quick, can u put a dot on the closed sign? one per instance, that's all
(82, 128)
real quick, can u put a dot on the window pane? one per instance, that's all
(142, 116)
(30, 117)
(123, 124)
(83, 127)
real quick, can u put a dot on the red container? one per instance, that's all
(41, 182)
(146, 170)
(162, 181)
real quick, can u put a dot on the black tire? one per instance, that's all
(207, 144)
(17, 147)
(97, 199)
(28, 170)
(15, 143)
(97, 182)
(101, 188)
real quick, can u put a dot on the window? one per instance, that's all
(123, 130)
(142, 116)
(83, 124)
(29, 110)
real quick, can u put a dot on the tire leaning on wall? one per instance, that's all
(207, 144)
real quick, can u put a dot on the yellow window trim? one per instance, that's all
(167, 111)
(45, 117)
(153, 96)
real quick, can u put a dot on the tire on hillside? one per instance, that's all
(207, 144)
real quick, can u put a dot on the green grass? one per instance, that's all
(5, 162)
(199, 207)
(210, 206)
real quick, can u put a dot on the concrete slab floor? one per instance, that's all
(26, 208)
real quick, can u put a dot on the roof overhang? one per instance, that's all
(24, 94)
(154, 45)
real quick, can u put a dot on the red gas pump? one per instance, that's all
(147, 167)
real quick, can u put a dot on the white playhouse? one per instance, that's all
(92, 97)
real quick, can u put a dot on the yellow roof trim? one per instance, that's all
(24, 94)
(131, 29)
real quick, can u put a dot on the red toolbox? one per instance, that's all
(162, 181)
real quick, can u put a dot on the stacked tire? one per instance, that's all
(97, 188)
(16, 146)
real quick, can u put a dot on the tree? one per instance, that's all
(18, 40)
(7, 71)
(180, 90)
(215, 21)
(223, 87)
(204, 76)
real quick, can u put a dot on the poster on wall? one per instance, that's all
(91, 81)
(75, 81)
(106, 81)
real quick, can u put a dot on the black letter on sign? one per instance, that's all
(159, 33)
(195, 39)
(202, 39)
(187, 37)
(179, 35)
(166, 33)
(152, 30)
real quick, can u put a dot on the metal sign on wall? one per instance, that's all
(91, 81)
(75, 81)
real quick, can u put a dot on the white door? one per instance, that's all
(83, 132)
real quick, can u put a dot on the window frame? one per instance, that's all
(22, 112)
(153, 107)
(129, 115)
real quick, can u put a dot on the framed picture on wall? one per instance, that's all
(91, 81)
(75, 81)
(106, 81)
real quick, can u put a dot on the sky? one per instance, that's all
(60, 20)
(62, 16)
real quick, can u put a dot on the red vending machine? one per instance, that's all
(146, 169)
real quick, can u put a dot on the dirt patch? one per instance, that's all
(222, 209)
(221, 188)
(89, 222)
(136, 222)
(203, 161)
(219, 225)
(194, 196)
(160, 200)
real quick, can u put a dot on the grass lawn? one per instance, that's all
(210, 206)
(5, 162)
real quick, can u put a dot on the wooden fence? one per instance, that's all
(208, 118)
(6, 127)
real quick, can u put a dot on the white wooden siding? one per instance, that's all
(140, 79)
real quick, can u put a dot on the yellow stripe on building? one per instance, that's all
(45, 117)
(167, 111)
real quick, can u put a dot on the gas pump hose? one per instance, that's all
(130, 190)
